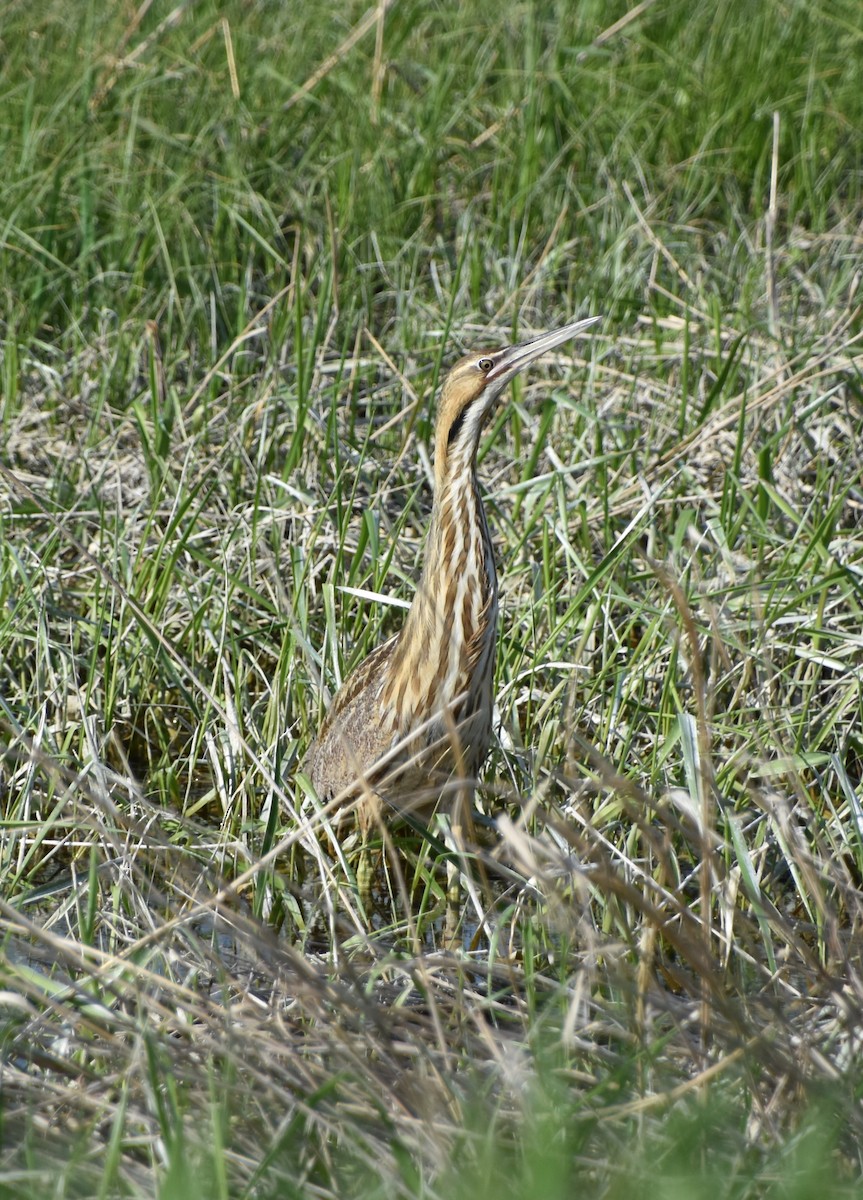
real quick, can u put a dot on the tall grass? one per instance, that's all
(239, 248)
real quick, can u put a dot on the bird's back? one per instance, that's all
(383, 752)
(355, 734)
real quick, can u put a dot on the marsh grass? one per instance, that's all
(227, 300)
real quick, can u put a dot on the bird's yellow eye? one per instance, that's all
(485, 364)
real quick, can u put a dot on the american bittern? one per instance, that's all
(413, 721)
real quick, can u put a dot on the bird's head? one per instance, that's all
(474, 384)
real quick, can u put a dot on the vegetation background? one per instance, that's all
(239, 242)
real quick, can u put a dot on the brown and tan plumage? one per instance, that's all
(416, 713)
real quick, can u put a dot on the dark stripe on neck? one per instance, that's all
(456, 427)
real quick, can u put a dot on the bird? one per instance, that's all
(411, 726)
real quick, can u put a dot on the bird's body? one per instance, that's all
(416, 714)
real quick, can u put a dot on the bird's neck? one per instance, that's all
(458, 577)
(452, 621)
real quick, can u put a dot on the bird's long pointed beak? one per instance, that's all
(508, 362)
